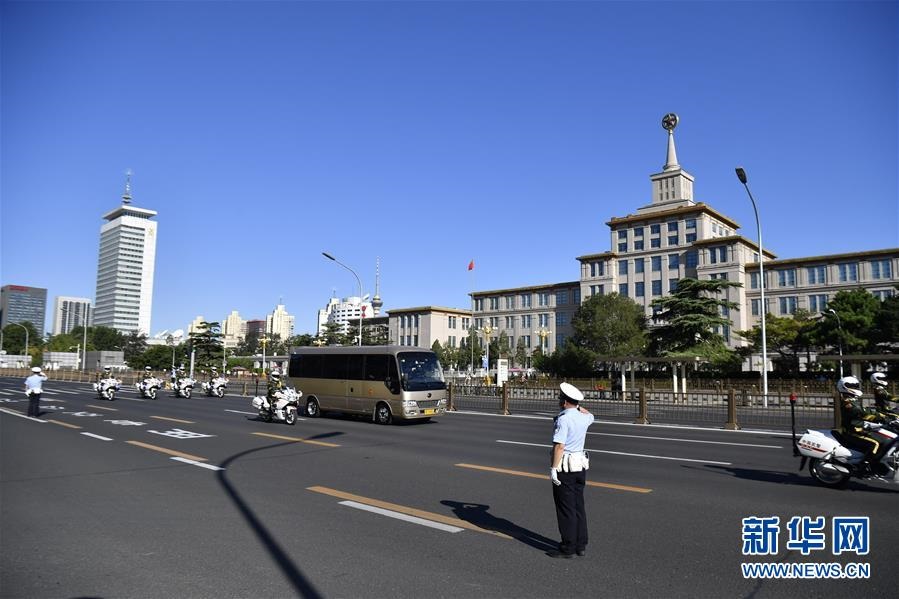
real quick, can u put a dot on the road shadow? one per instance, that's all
(787, 478)
(478, 514)
(301, 584)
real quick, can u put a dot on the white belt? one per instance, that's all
(575, 461)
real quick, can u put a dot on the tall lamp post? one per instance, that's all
(358, 280)
(543, 333)
(839, 324)
(741, 175)
(488, 330)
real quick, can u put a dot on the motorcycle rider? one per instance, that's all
(275, 385)
(858, 421)
(886, 403)
(106, 374)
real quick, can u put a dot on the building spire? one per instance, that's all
(376, 302)
(669, 122)
(126, 197)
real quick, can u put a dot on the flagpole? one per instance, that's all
(471, 324)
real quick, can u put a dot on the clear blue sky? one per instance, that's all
(429, 134)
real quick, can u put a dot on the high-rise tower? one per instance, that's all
(124, 298)
(376, 302)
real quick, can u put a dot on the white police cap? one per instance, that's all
(571, 393)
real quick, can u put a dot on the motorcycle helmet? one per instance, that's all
(879, 379)
(276, 375)
(107, 370)
(147, 369)
(849, 385)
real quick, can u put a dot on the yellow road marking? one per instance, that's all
(168, 451)
(409, 511)
(590, 483)
(66, 424)
(297, 440)
(173, 419)
(103, 408)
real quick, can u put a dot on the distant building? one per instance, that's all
(194, 327)
(280, 323)
(70, 312)
(421, 327)
(234, 329)
(256, 327)
(124, 297)
(20, 304)
(342, 311)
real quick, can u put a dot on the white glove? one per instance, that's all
(554, 476)
(871, 426)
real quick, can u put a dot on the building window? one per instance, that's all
(543, 298)
(638, 245)
(494, 303)
(560, 319)
(479, 305)
(639, 289)
(622, 234)
(451, 322)
(479, 323)
(622, 267)
(786, 278)
(880, 269)
(672, 226)
(817, 275)
(656, 263)
(525, 300)
(494, 322)
(655, 229)
(655, 242)
(527, 340)
(753, 280)
(526, 321)
(576, 296)
(848, 272)
(672, 285)
(657, 287)
(717, 255)
(787, 304)
(817, 303)
(690, 237)
(622, 289)
(466, 323)
(622, 246)
(673, 261)
(561, 298)
(638, 231)
(692, 258)
(690, 223)
(638, 265)
(597, 289)
(883, 294)
(755, 307)
(672, 240)
(510, 302)
(543, 320)
(510, 322)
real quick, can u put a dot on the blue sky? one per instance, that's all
(429, 134)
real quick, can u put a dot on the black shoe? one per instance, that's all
(581, 552)
(555, 553)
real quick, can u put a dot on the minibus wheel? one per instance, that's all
(382, 414)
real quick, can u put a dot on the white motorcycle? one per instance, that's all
(183, 387)
(216, 388)
(107, 388)
(832, 463)
(149, 387)
(285, 409)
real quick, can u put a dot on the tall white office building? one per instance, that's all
(70, 312)
(279, 322)
(124, 298)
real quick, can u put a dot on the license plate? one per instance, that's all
(426, 412)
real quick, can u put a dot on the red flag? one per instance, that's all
(471, 265)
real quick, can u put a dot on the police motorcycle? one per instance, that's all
(832, 462)
(107, 388)
(216, 387)
(149, 386)
(184, 386)
(286, 406)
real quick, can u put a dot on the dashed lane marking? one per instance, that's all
(102, 408)
(590, 483)
(297, 440)
(173, 419)
(403, 517)
(402, 509)
(65, 424)
(179, 454)
(632, 455)
(20, 415)
(96, 436)
(687, 440)
(195, 463)
(241, 412)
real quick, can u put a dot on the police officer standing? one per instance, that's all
(568, 472)
(33, 389)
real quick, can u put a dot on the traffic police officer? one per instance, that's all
(568, 472)
(33, 389)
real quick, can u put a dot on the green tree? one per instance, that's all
(886, 324)
(249, 346)
(333, 333)
(105, 338)
(304, 340)
(134, 345)
(503, 348)
(14, 338)
(857, 310)
(471, 351)
(521, 353)
(64, 342)
(157, 357)
(610, 325)
(689, 317)
(788, 336)
(206, 341)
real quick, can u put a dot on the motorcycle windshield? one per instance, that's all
(420, 371)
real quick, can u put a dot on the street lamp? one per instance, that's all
(840, 325)
(543, 333)
(263, 341)
(488, 330)
(358, 280)
(741, 175)
(24, 328)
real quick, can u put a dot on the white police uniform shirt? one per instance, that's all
(34, 383)
(571, 429)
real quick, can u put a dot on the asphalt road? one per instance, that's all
(196, 498)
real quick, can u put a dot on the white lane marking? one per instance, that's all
(633, 455)
(14, 413)
(687, 440)
(8, 393)
(67, 392)
(96, 436)
(45, 392)
(597, 421)
(254, 413)
(195, 463)
(399, 516)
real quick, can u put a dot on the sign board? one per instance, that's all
(502, 371)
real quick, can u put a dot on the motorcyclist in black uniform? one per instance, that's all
(858, 421)
(275, 384)
(886, 404)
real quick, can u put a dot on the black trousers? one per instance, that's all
(34, 408)
(569, 500)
